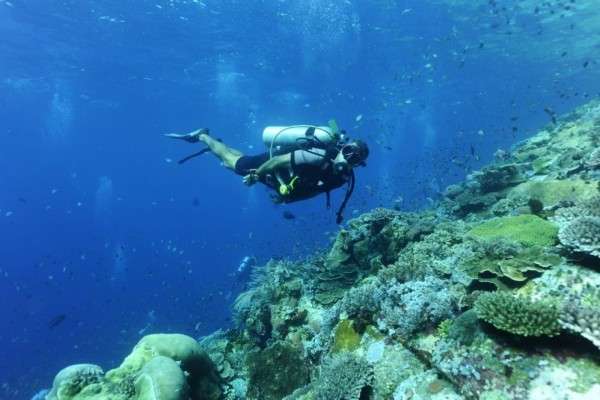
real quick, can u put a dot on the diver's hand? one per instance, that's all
(251, 178)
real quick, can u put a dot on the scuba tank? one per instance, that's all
(284, 139)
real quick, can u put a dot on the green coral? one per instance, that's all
(161, 379)
(517, 315)
(507, 264)
(275, 372)
(203, 378)
(528, 229)
(160, 367)
(444, 327)
(72, 380)
(552, 192)
(464, 328)
(345, 337)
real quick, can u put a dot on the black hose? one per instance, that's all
(339, 215)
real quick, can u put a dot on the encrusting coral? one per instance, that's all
(579, 226)
(343, 377)
(582, 235)
(529, 230)
(275, 372)
(583, 318)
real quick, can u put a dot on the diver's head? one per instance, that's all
(351, 154)
(355, 153)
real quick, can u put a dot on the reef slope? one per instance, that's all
(492, 294)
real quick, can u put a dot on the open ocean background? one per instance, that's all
(104, 237)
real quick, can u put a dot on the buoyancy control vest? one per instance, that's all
(307, 180)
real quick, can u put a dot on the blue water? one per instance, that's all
(105, 238)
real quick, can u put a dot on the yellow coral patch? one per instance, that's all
(345, 338)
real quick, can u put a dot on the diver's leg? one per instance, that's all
(227, 155)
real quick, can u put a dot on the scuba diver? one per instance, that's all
(241, 277)
(302, 161)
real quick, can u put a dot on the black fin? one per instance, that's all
(196, 154)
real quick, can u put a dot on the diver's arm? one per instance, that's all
(275, 164)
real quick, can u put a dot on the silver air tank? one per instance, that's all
(283, 139)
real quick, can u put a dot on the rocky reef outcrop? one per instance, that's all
(160, 367)
(492, 294)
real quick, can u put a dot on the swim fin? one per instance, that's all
(196, 154)
(191, 137)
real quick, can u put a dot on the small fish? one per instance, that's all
(22, 200)
(551, 113)
(56, 321)
(288, 215)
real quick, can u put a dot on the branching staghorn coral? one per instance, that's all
(518, 315)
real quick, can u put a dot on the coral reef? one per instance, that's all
(526, 229)
(70, 381)
(593, 160)
(160, 367)
(491, 295)
(343, 377)
(275, 372)
(553, 192)
(413, 305)
(582, 235)
(506, 264)
(518, 316)
(583, 319)
(579, 226)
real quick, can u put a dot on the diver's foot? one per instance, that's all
(192, 137)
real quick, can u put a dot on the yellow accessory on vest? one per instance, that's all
(284, 189)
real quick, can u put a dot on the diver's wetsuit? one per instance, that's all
(245, 164)
(314, 170)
